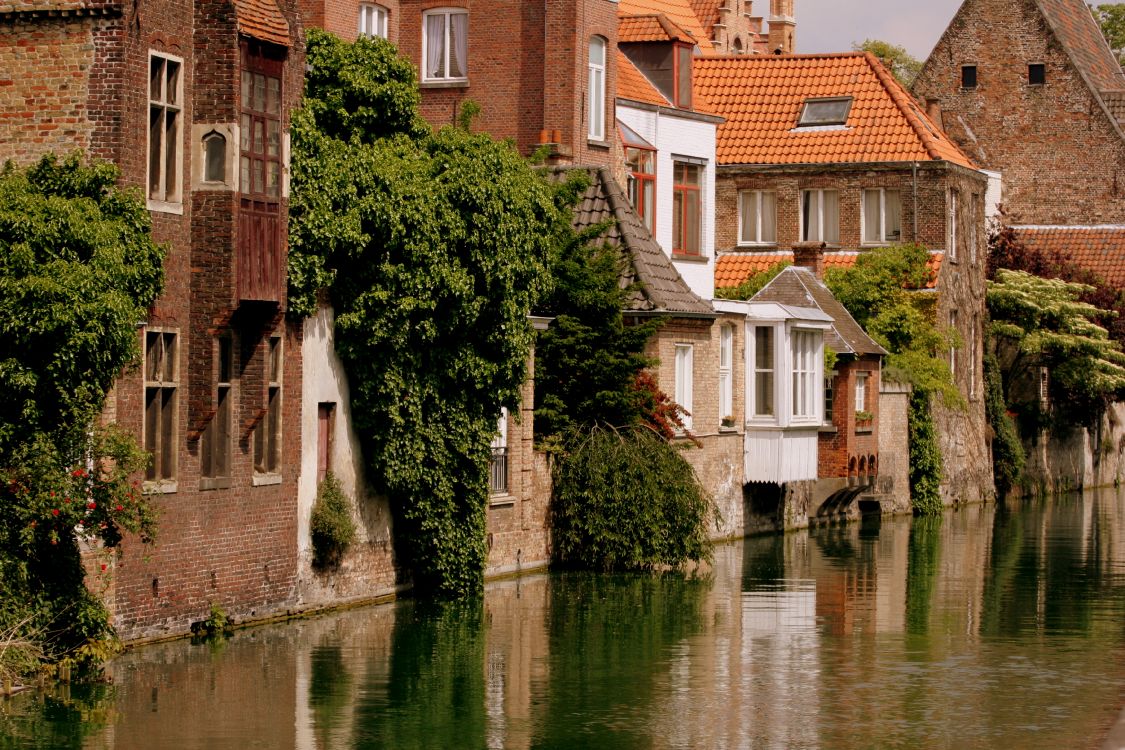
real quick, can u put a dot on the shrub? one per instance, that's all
(333, 529)
(627, 500)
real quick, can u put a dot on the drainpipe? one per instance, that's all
(914, 169)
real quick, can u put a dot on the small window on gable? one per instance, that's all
(833, 111)
(968, 76)
(1036, 74)
(215, 157)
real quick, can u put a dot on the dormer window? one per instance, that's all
(825, 112)
(682, 85)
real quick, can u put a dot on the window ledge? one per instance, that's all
(733, 430)
(888, 243)
(757, 245)
(592, 143)
(685, 258)
(261, 480)
(214, 483)
(828, 429)
(166, 207)
(453, 83)
(160, 487)
(502, 501)
(864, 430)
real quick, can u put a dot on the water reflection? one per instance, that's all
(989, 627)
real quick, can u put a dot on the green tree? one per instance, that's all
(78, 270)
(901, 63)
(434, 248)
(1111, 19)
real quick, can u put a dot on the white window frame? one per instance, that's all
(685, 381)
(500, 443)
(864, 219)
(972, 357)
(726, 371)
(757, 197)
(806, 366)
(973, 237)
(170, 203)
(447, 38)
(952, 347)
(954, 195)
(596, 90)
(753, 371)
(861, 390)
(373, 20)
(819, 216)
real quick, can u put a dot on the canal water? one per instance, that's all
(987, 628)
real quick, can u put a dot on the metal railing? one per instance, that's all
(498, 472)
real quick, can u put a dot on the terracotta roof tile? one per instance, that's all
(1100, 249)
(1078, 32)
(678, 12)
(262, 19)
(707, 11)
(761, 96)
(734, 268)
(653, 28)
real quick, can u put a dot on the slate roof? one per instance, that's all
(761, 97)
(735, 268)
(679, 12)
(262, 19)
(657, 285)
(1100, 249)
(1080, 36)
(799, 287)
(634, 86)
(651, 28)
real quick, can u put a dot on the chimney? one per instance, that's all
(810, 255)
(933, 109)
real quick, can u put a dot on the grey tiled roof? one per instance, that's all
(799, 287)
(1078, 32)
(655, 284)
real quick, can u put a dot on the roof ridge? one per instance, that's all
(794, 56)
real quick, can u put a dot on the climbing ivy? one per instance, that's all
(1008, 457)
(433, 247)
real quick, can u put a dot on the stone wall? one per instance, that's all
(892, 488)
(1079, 457)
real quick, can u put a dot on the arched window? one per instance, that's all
(596, 102)
(215, 157)
(372, 20)
(736, 47)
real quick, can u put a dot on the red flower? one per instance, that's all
(103, 566)
(119, 508)
(66, 500)
(91, 506)
(78, 473)
(54, 511)
(52, 493)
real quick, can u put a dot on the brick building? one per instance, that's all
(191, 102)
(829, 151)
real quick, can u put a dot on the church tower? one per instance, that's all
(783, 26)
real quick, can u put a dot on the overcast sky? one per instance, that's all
(834, 25)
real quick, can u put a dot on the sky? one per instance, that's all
(835, 25)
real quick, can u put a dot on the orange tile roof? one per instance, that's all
(262, 19)
(654, 28)
(678, 12)
(1100, 249)
(632, 84)
(761, 96)
(707, 11)
(734, 268)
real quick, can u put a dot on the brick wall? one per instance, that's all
(841, 448)
(738, 29)
(1062, 156)
(893, 484)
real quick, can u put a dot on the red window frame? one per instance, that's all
(645, 211)
(684, 194)
(679, 51)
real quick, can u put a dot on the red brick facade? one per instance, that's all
(848, 445)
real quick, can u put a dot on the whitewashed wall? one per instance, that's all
(677, 135)
(776, 455)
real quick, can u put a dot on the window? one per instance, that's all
(821, 112)
(882, 216)
(972, 356)
(372, 20)
(763, 371)
(326, 428)
(498, 467)
(260, 147)
(642, 184)
(682, 86)
(820, 216)
(954, 196)
(975, 212)
(968, 76)
(829, 397)
(214, 157)
(267, 435)
(165, 118)
(687, 209)
(861, 391)
(953, 347)
(215, 448)
(1036, 74)
(445, 45)
(726, 373)
(685, 375)
(596, 90)
(261, 262)
(161, 381)
(804, 349)
(757, 217)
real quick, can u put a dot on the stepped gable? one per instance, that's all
(1098, 249)
(679, 12)
(734, 268)
(655, 285)
(761, 98)
(797, 286)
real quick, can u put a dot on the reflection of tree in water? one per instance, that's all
(330, 683)
(611, 641)
(763, 561)
(434, 696)
(922, 563)
(60, 719)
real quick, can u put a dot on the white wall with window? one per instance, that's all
(726, 375)
(445, 45)
(757, 217)
(685, 381)
(820, 216)
(881, 216)
(595, 89)
(686, 138)
(372, 20)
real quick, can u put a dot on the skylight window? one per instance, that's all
(825, 112)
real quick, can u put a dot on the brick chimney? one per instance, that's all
(810, 255)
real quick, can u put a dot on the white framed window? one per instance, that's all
(726, 372)
(372, 20)
(954, 196)
(764, 366)
(881, 216)
(445, 44)
(165, 126)
(685, 380)
(952, 347)
(806, 395)
(820, 216)
(757, 217)
(596, 90)
(162, 379)
(972, 356)
(498, 466)
(974, 207)
(861, 391)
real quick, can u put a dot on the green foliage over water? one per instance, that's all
(332, 528)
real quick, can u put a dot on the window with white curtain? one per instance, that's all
(806, 395)
(757, 217)
(820, 216)
(685, 356)
(882, 216)
(372, 20)
(726, 372)
(596, 103)
(445, 44)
